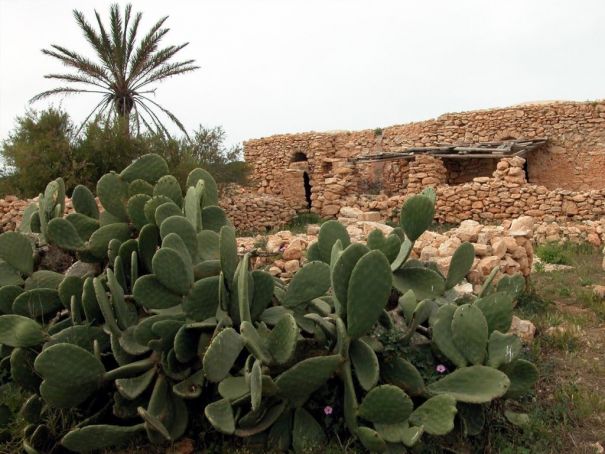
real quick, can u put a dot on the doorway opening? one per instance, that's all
(307, 183)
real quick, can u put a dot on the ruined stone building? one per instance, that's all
(547, 159)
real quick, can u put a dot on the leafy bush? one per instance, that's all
(553, 253)
(45, 146)
(160, 319)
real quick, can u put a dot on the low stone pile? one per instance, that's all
(592, 232)
(11, 212)
(12, 208)
(508, 247)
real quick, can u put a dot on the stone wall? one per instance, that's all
(247, 210)
(507, 247)
(504, 195)
(252, 212)
(573, 160)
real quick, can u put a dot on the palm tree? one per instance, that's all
(124, 72)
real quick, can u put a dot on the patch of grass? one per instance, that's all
(261, 243)
(553, 253)
(300, 222)
(531, 303)
(442, 227)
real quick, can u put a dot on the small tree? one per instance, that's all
(38, 150)
(125, 70)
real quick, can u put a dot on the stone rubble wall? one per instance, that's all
(506, 195)
(252, 212)
(507, 247)
(247, 210)
(573, 160)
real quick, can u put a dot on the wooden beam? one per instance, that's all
(484, 150)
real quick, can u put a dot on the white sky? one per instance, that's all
(278, 66)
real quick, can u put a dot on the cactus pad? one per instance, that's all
(220, 415)
(436, 415)
(402, 373)
(311, 281)
(523, 375)
(474, 384)
(461, 264)
(416, 216)
(17, 251)
(19, 331)
(221, 354)
(368, 293)
(298, 382)
(329, 233)
(502, 349)
(307, 434)
(365, 364)
(498, 311)
(283, 338)
(425, 282)
(386, 404)
(371, 440)
(469, 333)
(90, 438)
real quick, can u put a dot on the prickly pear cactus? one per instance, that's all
(169, 328)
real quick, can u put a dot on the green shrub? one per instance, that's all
(553, 253)
(167, 321)
(44, 146)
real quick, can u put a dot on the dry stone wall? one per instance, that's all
(247, 210)
(573, 160)
(507, 247)
(505, 195)
(252, 212)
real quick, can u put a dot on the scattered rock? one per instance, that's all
(599, 291)
(292, 266)
(524, 329)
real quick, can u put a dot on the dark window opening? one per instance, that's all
(526, 169)
(307, 182)
(299, 156)
(460, 171)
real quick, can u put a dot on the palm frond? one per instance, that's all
(169, 114)
(106, 100)
(77, 61)
(154, 118)
(116, 38)
(124, 41)
(156, 60)
(95, 40)
(62, 90)
(76, 78)
(166, 71)
(132, 35)
(146, 47)
(111, 64)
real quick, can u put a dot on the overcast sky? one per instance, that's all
(278, 66)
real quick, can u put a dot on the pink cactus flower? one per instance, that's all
(328, 410)
(441, 369)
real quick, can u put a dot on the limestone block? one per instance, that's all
(350, 212)
(292, 266)
(522, 226)
(524, 329)
(487, 264)
(373, 216)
